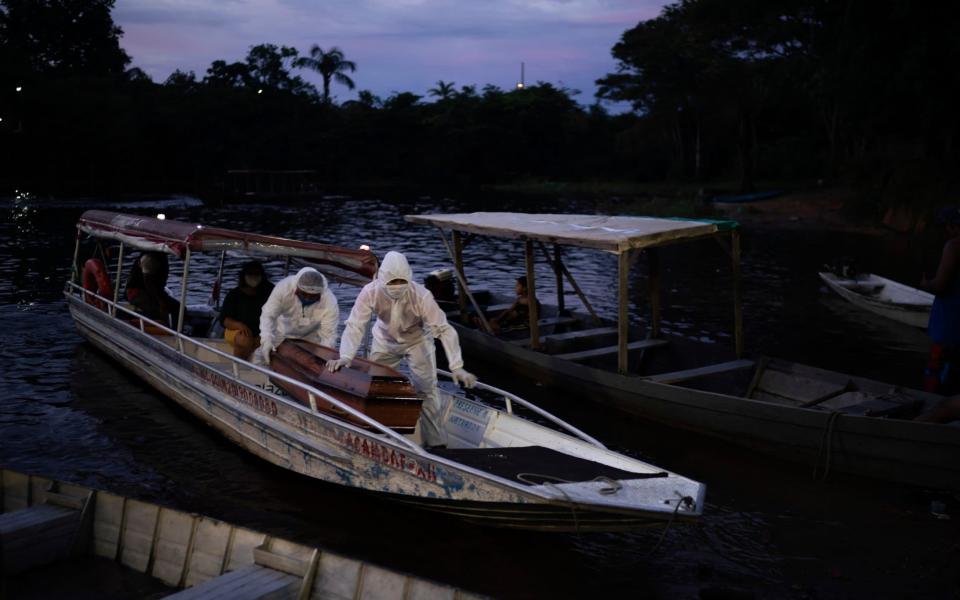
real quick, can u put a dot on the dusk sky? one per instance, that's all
(398, 45)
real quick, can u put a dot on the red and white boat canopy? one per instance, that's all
(175, 237)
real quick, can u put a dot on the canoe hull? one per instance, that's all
(901, 303)
(903, 451)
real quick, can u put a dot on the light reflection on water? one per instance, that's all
(69, 412)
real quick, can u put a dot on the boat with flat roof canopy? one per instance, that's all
(498, 468)
(825, 419)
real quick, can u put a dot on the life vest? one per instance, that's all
(96, 280)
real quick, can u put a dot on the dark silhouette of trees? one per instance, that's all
(443, 91)
(800, 88)
(786, 90)
(60, 38)
(332, 66)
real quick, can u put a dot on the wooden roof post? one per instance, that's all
(558, 271)
(116, 284)
(183, 290)
(737, 291)
(458, 265)
(653, 264)
(623, 317)
(532, 298)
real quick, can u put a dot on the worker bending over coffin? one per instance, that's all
(408, 320)
(300, 306)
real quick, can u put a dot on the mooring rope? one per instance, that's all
(826, 440)
(684, 500)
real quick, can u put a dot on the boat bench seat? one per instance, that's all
(557, 342)
(249, 583)
(596, 352)
(688, 374)
(37, 535)
(487, 310)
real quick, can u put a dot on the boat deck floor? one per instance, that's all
(534, 465)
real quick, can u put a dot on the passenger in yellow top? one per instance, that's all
(408, 320)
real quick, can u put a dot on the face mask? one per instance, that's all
(252, 280)
(395, 290)
(308, 301)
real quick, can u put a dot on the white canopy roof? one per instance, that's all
(602, 232)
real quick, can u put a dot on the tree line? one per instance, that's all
(720, 90)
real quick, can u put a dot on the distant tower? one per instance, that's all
(521, 83)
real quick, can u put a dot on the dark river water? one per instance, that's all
(768, 531)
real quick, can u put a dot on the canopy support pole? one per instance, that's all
(653, 264)
(75, 271)
(623, 318)
(532, 297)
(215, 292)
(183, 291)
(737, 292)
(559, 274)
(458, 266)
(576, 287)
(463, 284)
(116, 284)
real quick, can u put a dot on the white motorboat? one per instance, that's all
(498, 468)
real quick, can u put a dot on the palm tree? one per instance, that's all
(443, 90)
(331, 65)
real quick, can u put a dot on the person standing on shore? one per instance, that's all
(941, 375)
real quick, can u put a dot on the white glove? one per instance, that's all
(464, 378)
(267, 344)
(334, 364)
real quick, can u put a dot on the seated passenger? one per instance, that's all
(147, 292)
(440, 284)
(518, 315)
(240, 314)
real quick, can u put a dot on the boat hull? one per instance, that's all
(903, 451)
(309, 443)
(915, 313)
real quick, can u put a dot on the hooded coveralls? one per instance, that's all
(405, 328)
(285, 316)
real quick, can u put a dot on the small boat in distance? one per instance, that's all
(498, 468)
(883, 297)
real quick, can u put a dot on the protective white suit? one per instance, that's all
(285, 316)
(408, 319)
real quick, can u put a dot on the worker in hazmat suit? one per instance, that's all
(408, 320)
(300, 306)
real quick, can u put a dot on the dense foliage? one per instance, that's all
(721, 90)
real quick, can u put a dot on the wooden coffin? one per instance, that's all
(376, 390)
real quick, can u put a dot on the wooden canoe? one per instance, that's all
(376, 390)
(883, 297)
